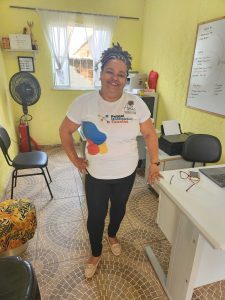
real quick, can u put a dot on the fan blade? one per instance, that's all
(24, 89)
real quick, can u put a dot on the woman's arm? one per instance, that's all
(151, 140)
(66, 131)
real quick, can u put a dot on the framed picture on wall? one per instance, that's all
(26, 63)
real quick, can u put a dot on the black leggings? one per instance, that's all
(98, 193)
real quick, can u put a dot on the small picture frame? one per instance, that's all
(26, 63)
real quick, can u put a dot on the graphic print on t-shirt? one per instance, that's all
(121, 117)
(129, 108)
(95, 138)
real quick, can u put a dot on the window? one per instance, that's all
(81, 62)
(76, 43)
(78, 69)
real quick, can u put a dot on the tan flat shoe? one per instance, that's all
(90, 269)
(115, 248)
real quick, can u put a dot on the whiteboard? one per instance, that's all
(206, 89)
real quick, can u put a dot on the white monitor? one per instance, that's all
(136, 81)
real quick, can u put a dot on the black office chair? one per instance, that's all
(203, 148)
(18, 279)
(25, 160)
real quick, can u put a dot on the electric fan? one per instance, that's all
(25, 90)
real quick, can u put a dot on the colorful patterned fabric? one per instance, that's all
(17, 223)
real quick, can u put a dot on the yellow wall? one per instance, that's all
(168, 46)
(49, 111)
(6, 121)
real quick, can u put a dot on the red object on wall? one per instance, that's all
(25, 145)
(152, 79)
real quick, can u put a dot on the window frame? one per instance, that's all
(69, 86)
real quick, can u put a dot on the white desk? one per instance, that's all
(194, 223)
(167, 162)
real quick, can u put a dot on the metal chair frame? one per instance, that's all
(5, 143)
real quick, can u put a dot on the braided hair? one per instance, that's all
(116, 52)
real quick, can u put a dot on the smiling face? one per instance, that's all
(113, 78)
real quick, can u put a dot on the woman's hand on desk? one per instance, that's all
(154, 173)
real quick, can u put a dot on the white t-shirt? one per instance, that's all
(111, 129)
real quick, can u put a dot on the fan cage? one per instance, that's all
(24, 88)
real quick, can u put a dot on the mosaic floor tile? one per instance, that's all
(66, 281)
(30, 187)
(80, 185)
(83, 206)
(213, 291)
(135, 240)
(139, 180)
(56, 154)
(60, 247)
(142, 207)
(41, 205)
(62, 172)
(61, 210)
(162, 249)
(67, 240)
(124, 228)
(62, 189)
(76, 171)
(118, 278)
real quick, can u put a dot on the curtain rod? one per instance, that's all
(73, 12)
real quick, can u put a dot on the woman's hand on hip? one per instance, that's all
(81, 164)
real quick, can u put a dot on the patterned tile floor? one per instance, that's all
(60, 246)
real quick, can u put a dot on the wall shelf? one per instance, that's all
(14, 51)
(20, 50)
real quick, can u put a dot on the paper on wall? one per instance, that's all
(20, 42)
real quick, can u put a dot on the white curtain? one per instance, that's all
(58, 35)
(103, 28)
(58, 28)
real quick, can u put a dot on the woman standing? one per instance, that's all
(111, 121)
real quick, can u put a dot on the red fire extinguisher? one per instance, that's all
(25, 145)
(152, 79)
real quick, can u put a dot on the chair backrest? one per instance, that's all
(5, 143)
(202, 148)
